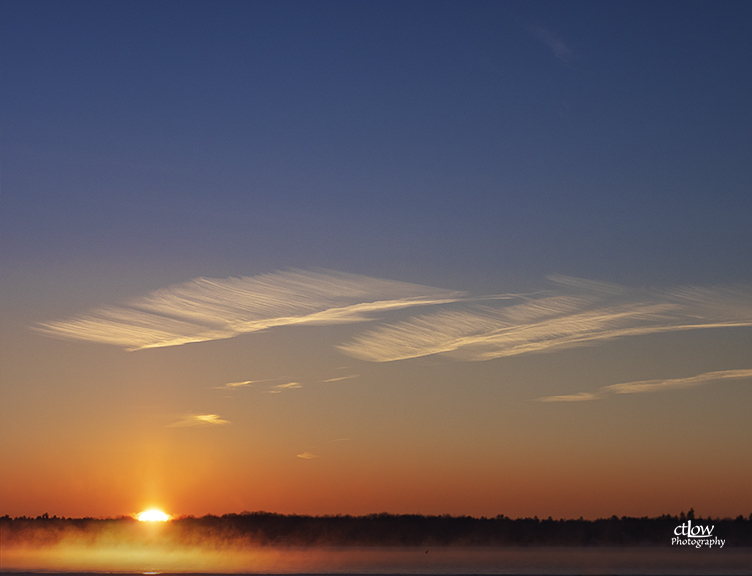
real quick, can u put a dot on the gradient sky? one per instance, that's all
(350, 257)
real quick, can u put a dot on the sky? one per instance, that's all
(351, 257)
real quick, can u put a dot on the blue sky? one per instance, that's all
(477, 148)
(599, 140)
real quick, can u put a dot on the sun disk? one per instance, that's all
(153, 516)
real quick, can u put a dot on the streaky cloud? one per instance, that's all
(237, 384)
(243, 384)
(579, 397)
(340, 378)
(581, 313)
(211, 309)
(199, 420)
(307, 456)
(234, 385)
(288, 386)
(583, 285)
(560, 50)
(676, 383)
(647, 386)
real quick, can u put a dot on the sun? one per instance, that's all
(153, 516)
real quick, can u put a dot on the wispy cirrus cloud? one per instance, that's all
(307, 456)
(199, 420)
(243, 384)
(327, 448)
(579, 397)
(580, 313)
(563, 52)
(575, 313)
(288, 386)
(644, 386)
(340, 378)
(280, 387)
(234, 385)
(210, 309)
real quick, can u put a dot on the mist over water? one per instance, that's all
(376, 544)
(362, 560)
(130, 547)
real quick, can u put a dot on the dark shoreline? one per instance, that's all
(380, 530)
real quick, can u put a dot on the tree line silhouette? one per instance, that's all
(270, 529)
